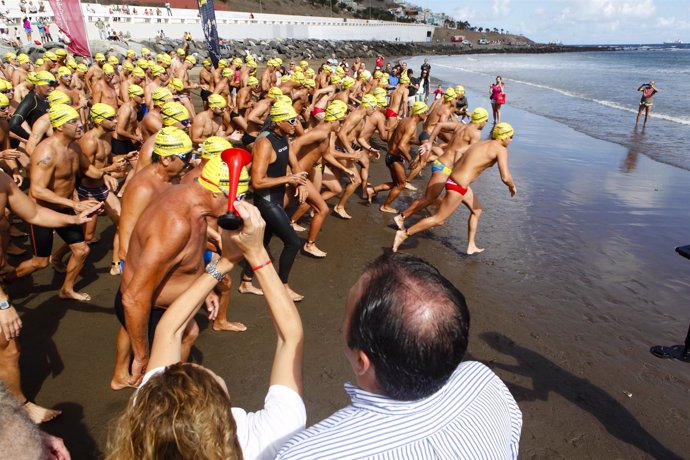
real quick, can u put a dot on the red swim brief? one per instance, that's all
(390, 114)
(317, 110)
(452, 185)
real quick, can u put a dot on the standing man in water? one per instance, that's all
(646, 102)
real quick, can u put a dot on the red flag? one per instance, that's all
(69, 18)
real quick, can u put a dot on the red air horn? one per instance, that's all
(236, 159)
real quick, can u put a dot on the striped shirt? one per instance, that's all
(473, 416)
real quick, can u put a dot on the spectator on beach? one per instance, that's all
(406, 332)
(100, 25)
(167, 7)
(646, 102)
(426, 66)
(190, 404)
(438, 92)
(22, 6)
(379, 61)
(424, 86)
(498, 98)
(412, 88)
(33, 9)
(42, 7)
(17, 35)
(27, 28)
(41, 29)
(47, 31)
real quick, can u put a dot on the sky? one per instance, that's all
(575, 22)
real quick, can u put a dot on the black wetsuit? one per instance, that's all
(269, 201)
(30, 109)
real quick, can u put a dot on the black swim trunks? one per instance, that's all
(205, 94)
(42, 237)
(248, 139)
(423, 136)
(154, 317)
(122, 147)
(390, 159)
(96, 193)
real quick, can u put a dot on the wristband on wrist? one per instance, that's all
(259, 267)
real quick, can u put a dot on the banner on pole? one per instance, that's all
(208, 23)
(69, 18)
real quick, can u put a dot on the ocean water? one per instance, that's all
(592, 92)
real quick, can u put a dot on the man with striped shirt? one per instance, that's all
(406, 329)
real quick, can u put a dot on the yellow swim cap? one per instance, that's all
(191, 60)
(217, 101)
(378, 91)
(164, 59)
(135, 90)
(339, 71)
(99, 57)
(180, 52)
(249, 58)
(4, 101)
(64, 72)
(108, 69)
(177, 84)
(59, 114)
(160, 96)
(272, 63)
(131, 53)
(364, 75)
(251, 64)
(143, 63)
(156, 70)
(348, 82)
(369, 100)
(309, 73)
(285, 78)
(449, 95)
(303, 64)
(336, 80)
(100, 112)
(82, 68)
(213, 146)
(227, 72)
(298, 77)
(138, 72)
(50, 56)
(251, 81)
(113, 60)
(5, 85)
(60, 52)
(502, 131)
(171, 141)
(9, 56)
(419, 107)
(278, 60)
(405, 80)
(378, 74)
(145, 52)
(127, 66)
(381, 100)
(44, 78)
(222, 63)
(215, 177)
(207, 61)
(71, 63)
(58, 97)
(282, 111)
(309, 83)
(39, 62)
(174, 112)
(23, 59)
(237, 62)
(459, 90)
(274, 92)
(335, 110)
(479, 115)
(327, 69)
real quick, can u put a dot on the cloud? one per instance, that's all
(501, 7)
(465, 14)
(609, 10)
(672, 23)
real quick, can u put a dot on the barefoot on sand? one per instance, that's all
(39, 414)
(117, 384)
(370, 194)
(226, 325)
(399, 221)
(80, 296)
(474, 250)
(310, 248)
(387, 209)
(246, 287)
(400, 236)
(340, 212)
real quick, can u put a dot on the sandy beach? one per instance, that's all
(579, 279)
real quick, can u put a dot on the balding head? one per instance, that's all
(411, 322)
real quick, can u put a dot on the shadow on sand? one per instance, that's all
(548, 377)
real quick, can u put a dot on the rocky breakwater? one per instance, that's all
(307, 49)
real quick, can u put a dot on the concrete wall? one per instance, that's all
(238, 25)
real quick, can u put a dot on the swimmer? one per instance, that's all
(646, 102)
(477, 158)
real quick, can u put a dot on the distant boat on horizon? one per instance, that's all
(674, 42)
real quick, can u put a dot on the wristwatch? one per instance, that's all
(5, 304)
(213, 271)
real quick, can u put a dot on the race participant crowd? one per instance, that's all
(124, 140)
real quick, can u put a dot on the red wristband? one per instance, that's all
(259, 267)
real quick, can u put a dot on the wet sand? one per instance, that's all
(579, 279)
